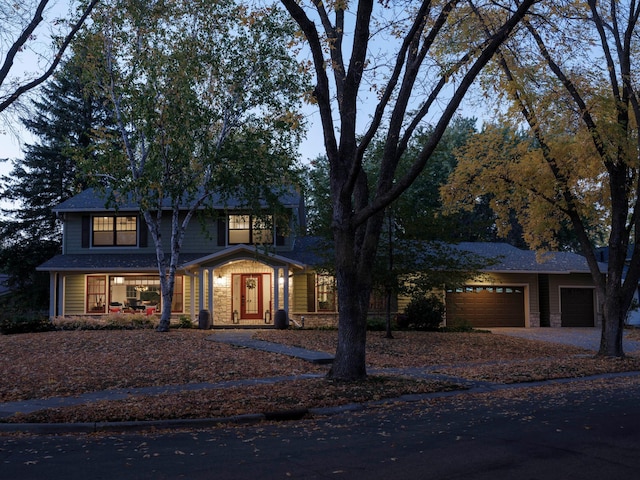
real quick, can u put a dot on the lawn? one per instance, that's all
(74, 362)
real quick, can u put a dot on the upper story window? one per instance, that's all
(114, 231)
(250, 230)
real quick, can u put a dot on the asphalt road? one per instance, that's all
(560, 433)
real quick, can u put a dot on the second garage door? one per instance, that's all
(486, 306)
(577, 307)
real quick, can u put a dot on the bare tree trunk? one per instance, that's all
(614, 313)
(167, 301)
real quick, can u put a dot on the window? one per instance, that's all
(119, 231)
(137, 293)
(96, 294)
(377, 301)
(326, 293)
(250, 230)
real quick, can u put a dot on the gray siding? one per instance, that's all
(74, 294)
(200, 237)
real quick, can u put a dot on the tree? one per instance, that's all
(501, 166)
(64, 118)
(418, 214)
(21, 24)
(421, 72)
(570, 74)
(205, 97)
(413, 257)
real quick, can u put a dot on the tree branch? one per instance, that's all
(37, 18)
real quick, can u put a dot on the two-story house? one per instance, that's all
(239, 267)
(242, 269)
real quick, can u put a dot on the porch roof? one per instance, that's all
(109, 262)
(237, 252)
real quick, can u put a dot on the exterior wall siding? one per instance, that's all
(299, 294)
(73, 239)
(199, 237)
(74, 294)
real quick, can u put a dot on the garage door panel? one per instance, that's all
(486, 306)
(577, 307)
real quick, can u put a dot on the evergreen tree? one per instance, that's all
(64, 120)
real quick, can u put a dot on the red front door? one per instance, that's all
(251, 296)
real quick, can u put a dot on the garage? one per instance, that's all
(577, 307)
(486, 306)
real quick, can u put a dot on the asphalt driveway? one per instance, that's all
(588, 338)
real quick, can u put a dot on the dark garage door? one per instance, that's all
(486, 306)
(577, 307)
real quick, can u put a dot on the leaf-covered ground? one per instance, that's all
(74, 362)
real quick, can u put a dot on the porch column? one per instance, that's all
(201, 275)
(276, 289)
(192, 303)
(60, 303)
(286, 289)
(53, 287)
(211, 281)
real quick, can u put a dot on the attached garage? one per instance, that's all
(577, 307)
(486, 306)
(522, 288)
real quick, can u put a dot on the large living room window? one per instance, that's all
(250, 230)
(115, 231)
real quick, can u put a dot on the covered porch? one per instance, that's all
(239, 288)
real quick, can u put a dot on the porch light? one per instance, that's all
(219, 280)
(281, 278)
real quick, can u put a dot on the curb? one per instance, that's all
(276, 416)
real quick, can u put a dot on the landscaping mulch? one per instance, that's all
(69, 363)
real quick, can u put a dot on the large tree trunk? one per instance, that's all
(614, 311)
(355, 251)
(166, 283)
(349, 362)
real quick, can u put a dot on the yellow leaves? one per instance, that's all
(509, 167)
(292, 119)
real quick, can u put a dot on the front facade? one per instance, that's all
(241, 270)
(238, 267)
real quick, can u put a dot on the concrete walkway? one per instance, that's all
(588, 338)
(243, 338)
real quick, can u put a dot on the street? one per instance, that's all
(560, 432)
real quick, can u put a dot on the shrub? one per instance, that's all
(424, 313)
(107, 322)
(461, 326)
(25, 323)
(376, 324)
(184, 322)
